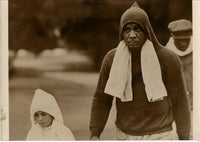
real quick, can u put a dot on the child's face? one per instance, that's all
(43, 119)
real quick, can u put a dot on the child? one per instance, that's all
(47, 120)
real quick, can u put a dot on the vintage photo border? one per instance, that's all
(196, 67)
(4, 105)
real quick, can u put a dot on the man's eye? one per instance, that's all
(127, 30)
(137, 29)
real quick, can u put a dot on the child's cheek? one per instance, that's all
(36, 120)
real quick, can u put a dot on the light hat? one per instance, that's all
(181, 28)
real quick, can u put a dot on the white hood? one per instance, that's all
(43, 101)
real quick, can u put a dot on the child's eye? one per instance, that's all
(43, 114)
(36, 115)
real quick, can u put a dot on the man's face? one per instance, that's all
(182, 43)
(133, 36)
(43, 119)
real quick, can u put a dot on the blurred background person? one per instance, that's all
(180, 43)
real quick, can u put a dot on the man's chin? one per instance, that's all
(182, 48)
(133, 48)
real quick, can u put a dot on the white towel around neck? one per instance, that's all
(119, 83)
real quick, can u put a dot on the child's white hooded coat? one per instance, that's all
(43, 101)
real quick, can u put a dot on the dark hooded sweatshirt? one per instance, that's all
(140, 117)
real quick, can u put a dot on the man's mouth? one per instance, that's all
(133, 43)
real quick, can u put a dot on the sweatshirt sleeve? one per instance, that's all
(102, 102)
(179, 99)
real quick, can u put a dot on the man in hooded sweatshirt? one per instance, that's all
(146, 80)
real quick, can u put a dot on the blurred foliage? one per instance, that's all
(89, 25)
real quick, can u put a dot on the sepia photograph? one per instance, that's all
(100, 70)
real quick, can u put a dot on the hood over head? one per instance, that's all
(43, 101)
(137, 15)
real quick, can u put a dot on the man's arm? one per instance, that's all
(102, 102)
(179, 100)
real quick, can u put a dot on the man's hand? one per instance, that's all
(94, 138)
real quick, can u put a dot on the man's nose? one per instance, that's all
(132, 34)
